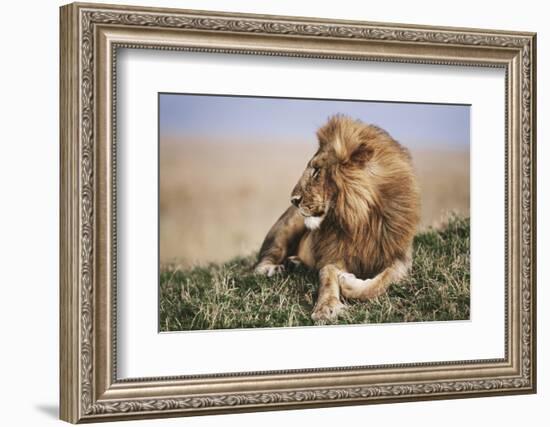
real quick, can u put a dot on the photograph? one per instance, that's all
(293, 212)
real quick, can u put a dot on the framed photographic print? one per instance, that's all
(265, 212)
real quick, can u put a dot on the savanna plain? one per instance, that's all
(218, 199)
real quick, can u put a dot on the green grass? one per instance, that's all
(230, 295)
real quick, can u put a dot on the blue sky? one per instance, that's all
(265, 119)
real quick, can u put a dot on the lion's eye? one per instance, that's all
(315, 172)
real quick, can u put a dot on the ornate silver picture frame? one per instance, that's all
(91, 36)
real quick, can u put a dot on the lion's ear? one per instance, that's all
(361, 155)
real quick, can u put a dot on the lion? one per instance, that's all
(353, 216)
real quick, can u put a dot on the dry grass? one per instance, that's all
(219, 199)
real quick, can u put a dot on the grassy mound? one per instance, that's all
(229, 295)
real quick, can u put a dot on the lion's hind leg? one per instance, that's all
(281, 242)
(355, 288)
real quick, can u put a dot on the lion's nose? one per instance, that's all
(295, 200)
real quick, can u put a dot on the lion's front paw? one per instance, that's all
(268, 269)
(327, 311)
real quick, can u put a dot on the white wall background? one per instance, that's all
(29, 171)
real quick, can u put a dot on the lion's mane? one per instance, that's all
(375, 199)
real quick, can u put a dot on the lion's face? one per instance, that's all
(339, 163)
(313, 193)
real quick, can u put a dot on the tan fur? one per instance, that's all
(362, 183)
